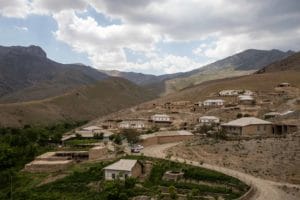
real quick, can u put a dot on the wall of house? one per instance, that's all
(32, 167)
(120, 174)
(97, 153)
(165, 139)
(257, 130)
(136, 170)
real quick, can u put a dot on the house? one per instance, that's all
(248, 126)
(271, 115)
(246, 100)
(161, 118)
(163, 137)
(92, 129)
(177, 105)
(209, 120)
(229, 93)
(213, 103)
(283, 85)
(132, 124)
(122, 169)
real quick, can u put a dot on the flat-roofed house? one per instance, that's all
(123, 169)
(209, 120)
(161, 119)
(248, 126)
(213, 103)
(132, 124)
(284, 84)
(229, 92)
(246, 100)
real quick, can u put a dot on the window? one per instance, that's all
(265, 127)
(126, 176)
(113, 176)
(258, 128)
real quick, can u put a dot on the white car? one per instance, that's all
(140, 147)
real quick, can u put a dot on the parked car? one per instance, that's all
(135, 150)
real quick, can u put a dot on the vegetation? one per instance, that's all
(20, 146)
(131, 135)
(86, 181)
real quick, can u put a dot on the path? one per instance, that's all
(264, 189)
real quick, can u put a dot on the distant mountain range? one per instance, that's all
(239, 64)
(27, 74)
(36, 90)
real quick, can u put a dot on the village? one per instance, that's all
(227, 115)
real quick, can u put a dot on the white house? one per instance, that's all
(161, 118)
(132, 124)
(208, 120)
(246, 99)
(123, 169)
(229, 93)
(213, 103)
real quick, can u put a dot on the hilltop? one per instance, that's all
(86, 103)
(27, 74)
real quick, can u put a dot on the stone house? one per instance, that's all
(132, 124)
(248, 126)
(246, 100)
(213, 103)
(209, 120)
(123, 169)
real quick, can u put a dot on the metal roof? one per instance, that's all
(245, 121)
(122, 165)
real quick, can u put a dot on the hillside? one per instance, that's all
(239, 64)
(86, 103)
(243, 63)
(27, 74)
(290, 63)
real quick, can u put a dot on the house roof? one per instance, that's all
(209, 117)
(160, 115)
(91, 128)
(245, 97)
(245, 121)
(122, 165)
(165, 133)
(213, 100)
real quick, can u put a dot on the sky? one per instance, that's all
(149, 36)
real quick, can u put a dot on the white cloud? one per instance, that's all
(21, 28)
(227, 26)
(14, 8)
(104, 45)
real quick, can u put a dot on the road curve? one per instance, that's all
(264, 189)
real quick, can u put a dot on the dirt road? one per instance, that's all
(264, 189)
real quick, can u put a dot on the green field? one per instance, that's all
(86, 181)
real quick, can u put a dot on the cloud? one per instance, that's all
(21, 28)
(55, 6)
(224, 27)
(14, 8)
(104, 45)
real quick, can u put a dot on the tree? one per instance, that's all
(131, 135)
(99, 136)
(130, 183)
(118, 139)
(172, 192)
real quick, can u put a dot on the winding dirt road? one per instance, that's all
(263, 189)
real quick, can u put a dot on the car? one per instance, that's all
(135, 150)
(139, 146)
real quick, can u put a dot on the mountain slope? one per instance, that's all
(290, 63)
(239, 64)
(26, 74)
(86, 103)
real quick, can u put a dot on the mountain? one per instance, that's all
(86, 103)
(242, 63)
(27, 74)
(291, 63)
